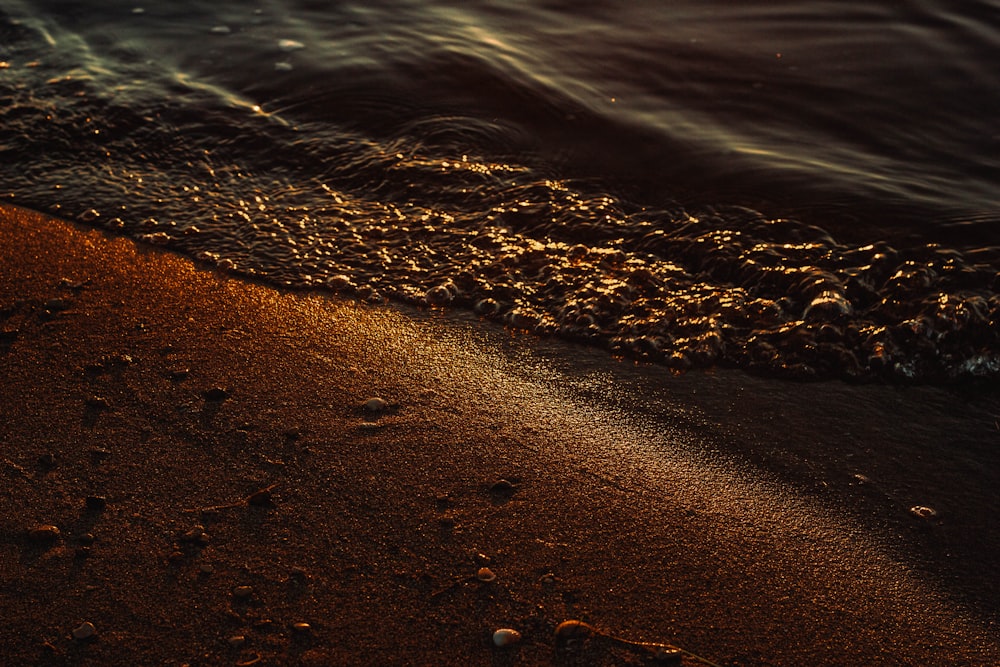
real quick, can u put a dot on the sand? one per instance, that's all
(222, 497)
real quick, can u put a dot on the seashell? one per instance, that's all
(506, 637)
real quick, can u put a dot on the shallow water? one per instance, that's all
(800, 188)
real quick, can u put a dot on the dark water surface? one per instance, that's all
(802, 188)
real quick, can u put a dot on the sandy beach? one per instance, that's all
(190, 464)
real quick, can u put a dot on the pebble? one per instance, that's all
(243, 592)
(261, 498)
(486, 307)
(923, 512)
(237, 641)
(85, 630)
(376, 404)
(216, 394)
(669, 656)
(98, 403)
(56, 305)
(506, 637)
(502, 489)
(44, 533)
(194, 534)
(486, 575)
(301, 628)
(568, 631)
(179, 374)
(96, 503)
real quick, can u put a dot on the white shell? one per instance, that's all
(506, 637)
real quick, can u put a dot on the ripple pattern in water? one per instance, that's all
(435, 213)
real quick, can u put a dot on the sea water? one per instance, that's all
(803, 188)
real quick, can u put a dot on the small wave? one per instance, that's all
(450, 210)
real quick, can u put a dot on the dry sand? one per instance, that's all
(590, 494)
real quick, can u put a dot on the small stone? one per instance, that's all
(56, 305)
(96, 503)
(84, 631)
(502, 489)
(44, 534)
(47, 460)
(440, 295)
(300, 573)
(376, 404)
(506, 637)
(194, 534)
(236, 641)
(179, 374)
(569, 631)
(668, 655)
(216, 395)
(261, 498)
(98, 403)
(486, 307)
(203, 540)
(98, 455)
(93, 370)
(243, 592)
(206, 568)
(923, 512)
(301, 628)
(90, 215)
(547, 579)
(486, 575)
(87, 539)
(82, 552)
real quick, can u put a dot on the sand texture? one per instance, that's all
(187, 464)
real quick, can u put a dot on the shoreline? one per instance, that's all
(219, 426)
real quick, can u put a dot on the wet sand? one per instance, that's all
(201, 445)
